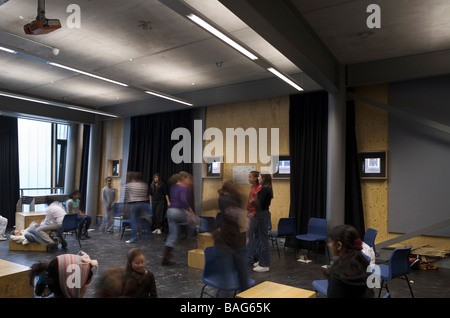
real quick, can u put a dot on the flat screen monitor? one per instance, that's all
(284, 167)
(373, 164)
(213, 169)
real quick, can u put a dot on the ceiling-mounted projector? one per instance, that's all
(41, 25)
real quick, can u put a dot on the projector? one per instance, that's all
(38, 27)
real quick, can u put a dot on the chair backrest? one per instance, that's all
(69, 222)
(399, 262)
(317, 226)
(207, 224)
(286, 226)
(220, 269)
(369, 237)
(118, 209)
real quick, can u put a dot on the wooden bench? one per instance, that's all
(23, 220)
(274, 290)
(14, 281)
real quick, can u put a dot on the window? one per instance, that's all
(42, 157)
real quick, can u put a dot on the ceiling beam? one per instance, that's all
(399, 69)
(280, 23)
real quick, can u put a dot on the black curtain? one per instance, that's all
(308, 129)
(84, 166)
(354, 214)
(151, 144)
(9, 169)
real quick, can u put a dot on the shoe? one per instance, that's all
(256, 264)
(166, 260)
(52, 248)
(261, 269)
(158, 231)
(2, 238)
(131, 241)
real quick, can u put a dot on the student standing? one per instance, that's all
(136, 198)
(252, 235)
(109, 197)
(262, 204)
(158, 200)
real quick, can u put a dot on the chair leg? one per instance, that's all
(278, 250)
(383, 282)
(409, 285)
(78, 237)
(203, 290)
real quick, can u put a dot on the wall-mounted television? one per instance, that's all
(373, 164)
(213, 166)
(213, 169)
(284, 167)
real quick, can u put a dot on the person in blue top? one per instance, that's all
(180, 211)
(84, 220)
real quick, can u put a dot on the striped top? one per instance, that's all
(136, 192)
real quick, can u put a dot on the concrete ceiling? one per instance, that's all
(150, 46)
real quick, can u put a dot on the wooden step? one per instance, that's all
(14, 281)
(204, 240)
(196, 258)
(34, 247)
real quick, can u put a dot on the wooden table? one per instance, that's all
(274, 290)
(14, 281)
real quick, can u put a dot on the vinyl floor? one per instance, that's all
(182, 281)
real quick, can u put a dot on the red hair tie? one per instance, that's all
(357, 244)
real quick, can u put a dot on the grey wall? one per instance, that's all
(419, 155)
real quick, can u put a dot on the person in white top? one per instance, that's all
(3, 224)
(53, 221)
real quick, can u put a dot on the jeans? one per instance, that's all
(83, 223)
(158, 214)
(174, 218)
(139, 218)
(262, 220)
(253, 241)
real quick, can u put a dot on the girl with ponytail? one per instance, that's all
(348, 276)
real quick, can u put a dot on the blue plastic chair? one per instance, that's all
(286, 227)
(207, 224)
(219, 220)
(398, 267)
(316, 232)
(223, 276)
(70, 224)
(320, 286)
(369, 238)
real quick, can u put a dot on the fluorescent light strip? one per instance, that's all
(88, 74)
(40, 101)
(284, 78)
(5, 49)
(221, 36)
(169, 98)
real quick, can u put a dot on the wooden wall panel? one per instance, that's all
(266, 113)
(112, 140)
